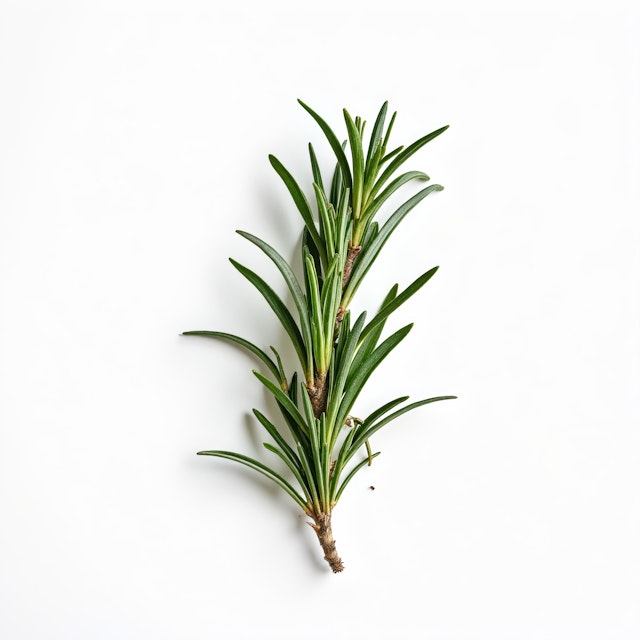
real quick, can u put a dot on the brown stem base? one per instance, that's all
(322, 527)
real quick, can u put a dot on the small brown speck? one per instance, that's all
(372, 488)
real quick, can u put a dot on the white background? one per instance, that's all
(133, 142)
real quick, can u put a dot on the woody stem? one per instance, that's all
(322, 527)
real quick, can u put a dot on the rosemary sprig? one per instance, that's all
(341, 241)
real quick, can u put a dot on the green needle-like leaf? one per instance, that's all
(315, 312)
(383, 409)
(279, 440)
(377, 133)
(370, 252)
(330, 301)
(316, 446)
(283, 375)
(283, 267)
(298, 475)
(371, 172)
(370, 234)
(308, 246)
(311, 479)
(292, 392)
(389, 128)
(355, 142)
(336, 185)
(366, 346)
(366, 369)
(334, 142)
(284, 400)
(374, 205)
(295, 289)
(339, 464)
(279, 308)
(403, 156)
(343, 226)
(344, 366)
(399, 300)
(325, 210)
(367, 431)
(352, 473)
(301, 202)
(391, 154)
(229, 337)
(315, 168)
(260, 468)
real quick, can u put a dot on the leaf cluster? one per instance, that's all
(317, 438)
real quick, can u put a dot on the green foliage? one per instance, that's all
(317, 438)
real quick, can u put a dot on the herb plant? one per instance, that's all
(319, 440)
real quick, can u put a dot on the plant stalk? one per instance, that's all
(322, 527)
(352, 253)
(318, 393)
